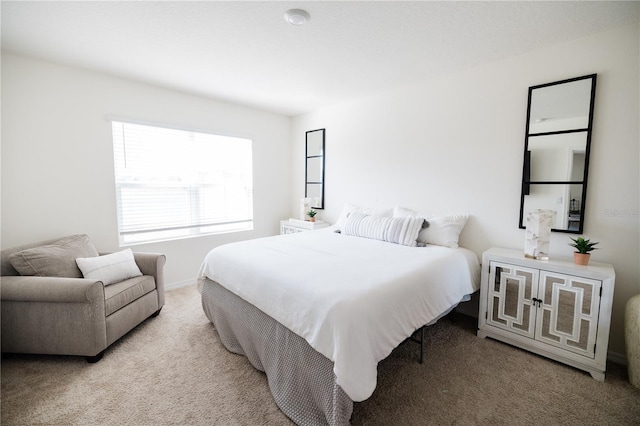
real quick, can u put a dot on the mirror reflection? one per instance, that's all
(559, 157)
(314, 191)
(556, 152)
(315, 143)
(564, 200)
(314, 168)
(560, 107)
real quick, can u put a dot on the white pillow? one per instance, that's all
(442, 230)
(402, 231)
(110, 268)
(348, 208)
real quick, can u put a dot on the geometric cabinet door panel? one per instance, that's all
(511, 298)
(568, 314)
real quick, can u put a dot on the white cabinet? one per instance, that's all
(553, 308)
(295, 225)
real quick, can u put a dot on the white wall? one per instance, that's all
(455, 144)
(57, 156)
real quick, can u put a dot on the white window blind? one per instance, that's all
(175, 183)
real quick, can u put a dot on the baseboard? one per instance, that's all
(179, 284)
(617, 358)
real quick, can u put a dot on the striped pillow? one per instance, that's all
(395, 230)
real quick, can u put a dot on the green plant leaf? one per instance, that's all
(583, 245)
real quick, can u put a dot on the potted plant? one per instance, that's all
(583, 247)
(312, 215)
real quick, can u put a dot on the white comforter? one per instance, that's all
(353, 299)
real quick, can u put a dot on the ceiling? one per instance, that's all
(245, 52)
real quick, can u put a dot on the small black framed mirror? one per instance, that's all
(314, 168)
(556, 151)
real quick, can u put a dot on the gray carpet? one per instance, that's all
(173, 370)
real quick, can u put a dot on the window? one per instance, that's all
(175, 183)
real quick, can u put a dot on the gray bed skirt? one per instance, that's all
(301, 379)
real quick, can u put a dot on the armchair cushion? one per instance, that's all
(56, 259)
(124, 292)
(109, 268)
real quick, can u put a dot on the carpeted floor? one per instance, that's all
(173, 370)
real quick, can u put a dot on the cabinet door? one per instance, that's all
(568, 312)
(510, 298)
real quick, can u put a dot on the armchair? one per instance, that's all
(71, 315)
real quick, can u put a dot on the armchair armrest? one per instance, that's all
(53, 315)
(51, 289)
(153, 264)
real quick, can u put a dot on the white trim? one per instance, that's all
(180, 284)
(172, 126)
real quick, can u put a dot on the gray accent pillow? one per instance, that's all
(398, 230)
(56, 259)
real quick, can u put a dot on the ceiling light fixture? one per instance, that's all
(296, 17)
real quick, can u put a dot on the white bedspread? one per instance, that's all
(353, 299)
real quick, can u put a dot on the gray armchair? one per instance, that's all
(75, 316)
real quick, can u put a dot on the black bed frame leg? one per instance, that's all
(420, 340)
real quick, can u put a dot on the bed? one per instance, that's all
(316, 311)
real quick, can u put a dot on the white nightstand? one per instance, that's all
(296, 225)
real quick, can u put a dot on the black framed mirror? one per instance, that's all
(314, 168)
(556, 151)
